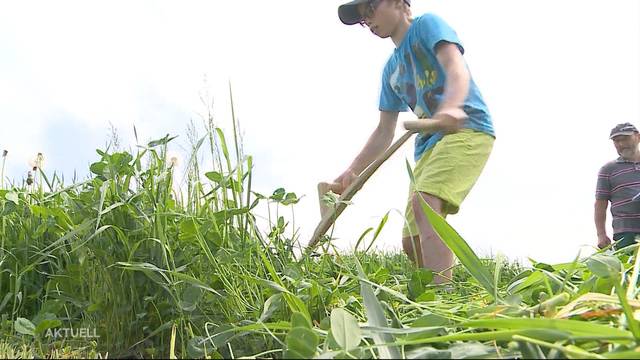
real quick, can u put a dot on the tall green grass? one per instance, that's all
(161, 269)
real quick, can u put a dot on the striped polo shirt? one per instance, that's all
(619, 182)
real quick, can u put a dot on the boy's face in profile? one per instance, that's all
(381, 16)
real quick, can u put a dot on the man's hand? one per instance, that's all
(603, 241)
(451, 119)
(344, 181)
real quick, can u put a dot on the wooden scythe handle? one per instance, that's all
(332, 214)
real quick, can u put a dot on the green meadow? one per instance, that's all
(129, 263)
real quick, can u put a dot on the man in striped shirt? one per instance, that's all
(619, 183)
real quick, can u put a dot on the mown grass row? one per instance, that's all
(160, 270)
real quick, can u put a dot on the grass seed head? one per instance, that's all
(37, 162)
(40, 160)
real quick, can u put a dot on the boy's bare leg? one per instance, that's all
(435, 254)
(411, 244)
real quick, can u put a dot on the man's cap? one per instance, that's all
(349, 14)
(623, 129)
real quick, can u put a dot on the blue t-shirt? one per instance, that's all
(413, 78)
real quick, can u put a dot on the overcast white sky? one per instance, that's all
(557, 75)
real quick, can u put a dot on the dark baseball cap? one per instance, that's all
(623, 129)
(349, 14)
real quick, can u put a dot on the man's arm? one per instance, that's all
(378, 142)
(600, 217)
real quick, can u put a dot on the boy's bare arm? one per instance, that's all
(378, 142)
(449, 116)
(456, 87)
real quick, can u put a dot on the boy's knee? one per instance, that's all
(434, 202)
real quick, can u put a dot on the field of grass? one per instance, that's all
(124, 265)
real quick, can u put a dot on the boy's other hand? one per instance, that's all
(451, 119)
(344, 180)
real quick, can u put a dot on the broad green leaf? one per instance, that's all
(605, 266)
(195, 347)
(40, 211)
(188, 230)
(13, 197)
(222, 335)
(270, 306)
(290, 198)
(299, 320)
(190, 298)
(215, 177)
(419, 280)
(98, 168)
(24, 326)
(6, 299)
(9, 207)
(430, 320)
(427, 296)
(278, 195)
(42, 315)
(302, 343)
(325, 324)
(345, 329)
(543, 266)
(46, 324)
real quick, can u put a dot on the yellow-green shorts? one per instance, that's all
(449, 170)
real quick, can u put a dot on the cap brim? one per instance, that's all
(348, 13)
(622, 133)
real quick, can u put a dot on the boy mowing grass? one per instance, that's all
(428, 74)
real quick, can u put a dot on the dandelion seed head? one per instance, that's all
(173, 160)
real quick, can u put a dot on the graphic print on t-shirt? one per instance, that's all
(416, 84)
